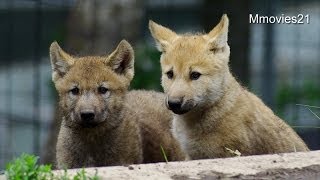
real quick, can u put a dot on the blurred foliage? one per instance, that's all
(147, 68)
(59, 35)
(309, 93)
(25, 167)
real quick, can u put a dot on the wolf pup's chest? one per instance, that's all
(193, 142)
(186, 136)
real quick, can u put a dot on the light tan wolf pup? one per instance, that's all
(102, 123)
(212, 111)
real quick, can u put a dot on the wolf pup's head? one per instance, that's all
(91, 89)
(193, 66)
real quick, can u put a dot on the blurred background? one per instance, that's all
(278, 62)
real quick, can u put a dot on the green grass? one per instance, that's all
(164, 154)
(25, 167)
(81, 175)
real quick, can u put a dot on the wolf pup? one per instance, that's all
(213, 113)
(102, 123)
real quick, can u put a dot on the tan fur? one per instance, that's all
(128, 127)
(216, 111)
(155, 125)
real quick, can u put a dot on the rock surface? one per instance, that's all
(300, 165)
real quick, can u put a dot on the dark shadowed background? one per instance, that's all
(278, 62)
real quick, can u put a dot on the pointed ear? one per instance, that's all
(163, 36)
(121, 60)
(218, 36)
(60, 61)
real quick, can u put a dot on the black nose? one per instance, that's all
(175, 105)
(87, 116)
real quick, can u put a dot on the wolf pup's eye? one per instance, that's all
(217, 50)
(195, 75)
(75, 91)
(214, 50)
(102, 90)
(170, 74)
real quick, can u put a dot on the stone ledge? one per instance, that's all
(300, 165)
(305, 165)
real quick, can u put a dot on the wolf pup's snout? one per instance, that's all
(174, 104)
(87, 116)
(179, 106)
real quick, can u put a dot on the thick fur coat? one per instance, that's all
(102, 123)
(213, 113)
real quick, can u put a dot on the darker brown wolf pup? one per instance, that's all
(102, 123)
